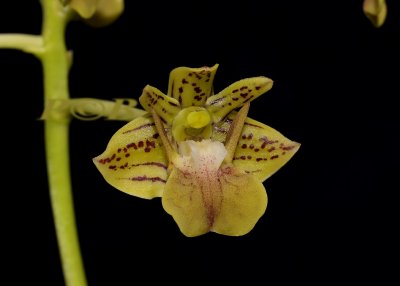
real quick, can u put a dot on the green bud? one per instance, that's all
(376, 11)
(85, 8)
(107, 12)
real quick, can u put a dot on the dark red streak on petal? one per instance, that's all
(216, 101)
(288, 148)
(248, 99)
(145, 178)
(249, 124)
(151, 164)
(139, 127)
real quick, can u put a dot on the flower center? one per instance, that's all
(198, 119)
(192, 123)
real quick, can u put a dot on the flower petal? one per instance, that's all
(166, 107)
(261, 150)
(191, 86)
(244, 202)
(228, 201)
(236, 95)
(376, 11)
(134, 161)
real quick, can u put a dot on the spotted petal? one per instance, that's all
(191, 86)
(134, 161)
(235, 95)
(166, 107)
(261, 150)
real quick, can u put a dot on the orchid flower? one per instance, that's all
(206, 160)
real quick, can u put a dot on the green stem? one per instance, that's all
(55, 69)
(27, 43)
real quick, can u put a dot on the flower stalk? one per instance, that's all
(31, 44)
(55, 71)
(50, 48)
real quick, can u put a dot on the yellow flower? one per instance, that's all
(97, 13)
(206, 160)
(376, 11)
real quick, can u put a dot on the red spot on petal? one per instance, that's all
(197, 89)
(150, 144)
(131, 145)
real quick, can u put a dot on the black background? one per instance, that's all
(331, 212)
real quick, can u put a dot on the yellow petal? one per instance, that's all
(376, 11)
(236, 95)
(204, 196)
(191, 86)
(244, 202)
(166, 107)
(261, 150)
(135, 161)
(85, 8)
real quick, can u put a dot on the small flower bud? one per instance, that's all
(106, 13)
(376, 11)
